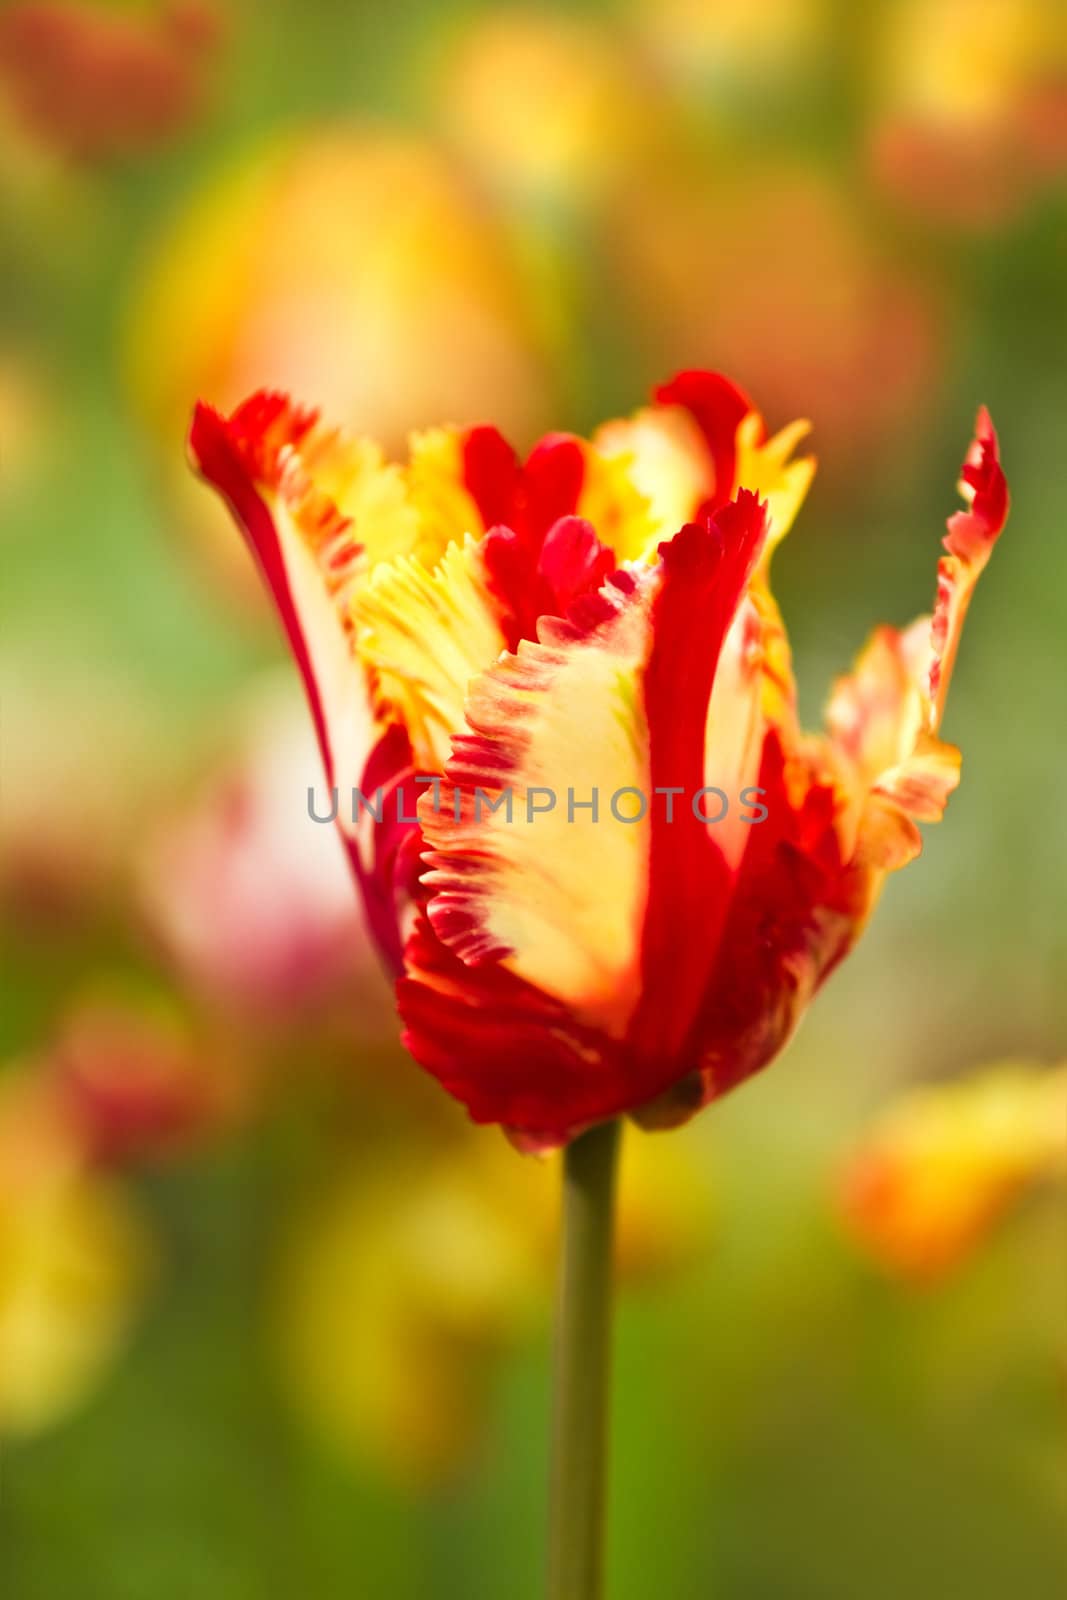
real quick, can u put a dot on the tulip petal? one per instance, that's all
(527, 497)
(969, 543)
(534, 563)
(796, 908)
(506, 1050)
(766, 467)
(544, 573)
(884, 716)
(319, 510)
(705, 571)
(550, 724)
(646, 477)
(718, 408)
(689, 454)
(280, 474)
(423, 636)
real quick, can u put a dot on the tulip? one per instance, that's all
(593, 623)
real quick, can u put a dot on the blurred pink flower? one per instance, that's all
(75, 1258)
(251, 899)
(136, 1082)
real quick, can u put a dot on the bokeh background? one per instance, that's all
(273, 1319)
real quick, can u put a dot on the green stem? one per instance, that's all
(583, 1341)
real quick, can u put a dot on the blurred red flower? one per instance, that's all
(95, 85)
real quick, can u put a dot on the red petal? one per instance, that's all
(232, 456)
(969, 543)
(707, 568)
(717, 406)
(506, 1050)
(796, 910)
(255, 448)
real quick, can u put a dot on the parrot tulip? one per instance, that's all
(534, 680)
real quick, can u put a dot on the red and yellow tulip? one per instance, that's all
(596, 618)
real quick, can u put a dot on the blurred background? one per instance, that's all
(273, 1318)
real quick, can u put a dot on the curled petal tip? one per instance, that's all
(984, 487)
(971, 535)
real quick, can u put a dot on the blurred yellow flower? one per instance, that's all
(398, 1286)
(349, 262)
(71, 801)
(74, 1261)
(940, 1166)
(414, 1272)
(733, 46)
(549, 110)
(546, 106)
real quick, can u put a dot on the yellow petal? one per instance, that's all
(647, 476)
(324, 513)
(74, 1260)
(767, 468)
(424, 635)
